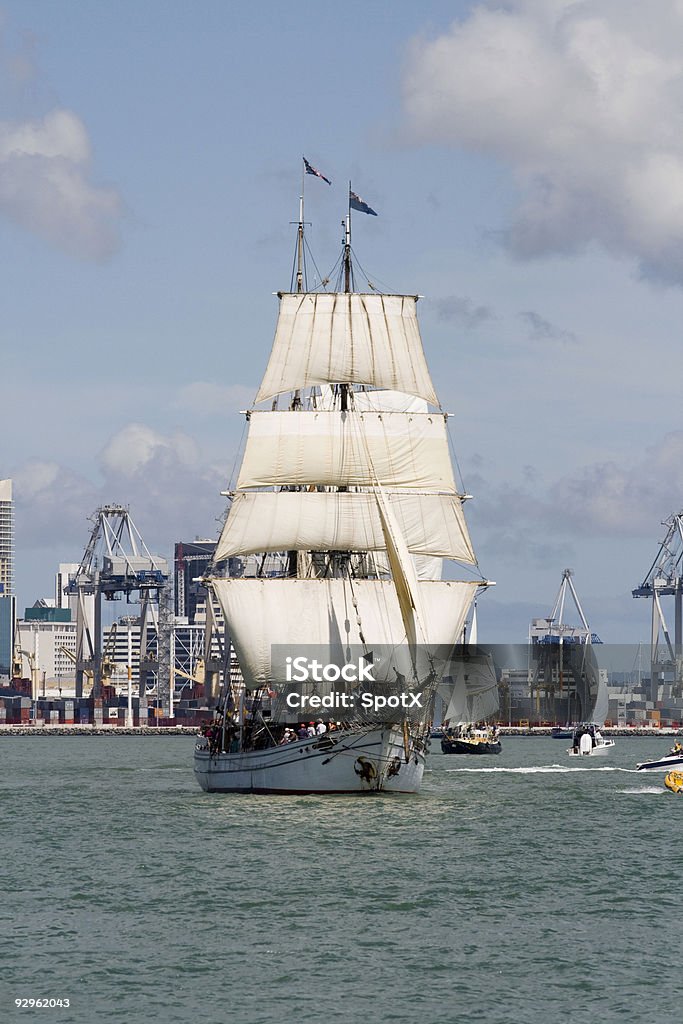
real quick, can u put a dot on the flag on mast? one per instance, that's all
(356, 203)
(311, 170)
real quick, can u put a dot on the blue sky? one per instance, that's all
(526, 165)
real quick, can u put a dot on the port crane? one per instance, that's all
(107, 664)
(563, 673)
(665, 579)
(116, 562)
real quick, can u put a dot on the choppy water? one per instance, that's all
(523, 888)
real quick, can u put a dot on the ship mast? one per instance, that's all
(292, 555)
(300, 239)
(344, 388)
(347, 247)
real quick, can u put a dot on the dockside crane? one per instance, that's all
(116, 562)
(665, 579)
(565, 673)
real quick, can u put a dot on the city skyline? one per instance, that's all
(146, 203)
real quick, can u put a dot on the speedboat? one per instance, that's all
(670, 760)
(589, 741)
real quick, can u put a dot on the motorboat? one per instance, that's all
(471, 741)
(670, 760)
(589, 741)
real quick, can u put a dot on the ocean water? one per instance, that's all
(520, 888)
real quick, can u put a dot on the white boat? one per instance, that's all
(670, 760)
(588, 741)
(346, 495)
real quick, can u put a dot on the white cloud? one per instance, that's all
(171, 490)
(52, 504)
(137, 448)
(172, 493)
(625, 499)
(536, 520)
(584, 100)
(44, 185)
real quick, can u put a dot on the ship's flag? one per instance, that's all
(311, 170)
(356, 203)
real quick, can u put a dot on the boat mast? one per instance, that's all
(347, 247)
(300, 238)
(292, 556)
(344, 388)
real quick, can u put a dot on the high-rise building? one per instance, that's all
(6, 539)
(8, 622)
(7, 599)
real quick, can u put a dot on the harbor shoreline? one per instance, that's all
(191, 730)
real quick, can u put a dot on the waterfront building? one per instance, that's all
(7, 600)
(47, 647)
(6, 539)
(8, 619)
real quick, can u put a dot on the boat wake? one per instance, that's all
(638, 790)
(544, 769)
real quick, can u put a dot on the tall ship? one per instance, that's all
(346, 507)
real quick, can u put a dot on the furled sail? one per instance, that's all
(347, 449)
(431, 524)
(294, 613)
(352, 338)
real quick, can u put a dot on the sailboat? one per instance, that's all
(344, 509)
(473, 700)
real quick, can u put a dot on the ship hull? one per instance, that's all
(598, 751)
(670, 761)
(452, 746)
(355, 761)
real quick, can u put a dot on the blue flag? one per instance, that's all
(356, 203)
(311, 170)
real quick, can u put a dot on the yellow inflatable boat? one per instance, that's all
(674, 781)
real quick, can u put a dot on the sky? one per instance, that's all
(525, 159)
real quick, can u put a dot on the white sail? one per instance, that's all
(262, 613)
(474, 633)
(431, 524)
(347, 449)
(428, 568)
(403, 573)
(482, 687)
(350, 338)
(470, 693)
(453, 693)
